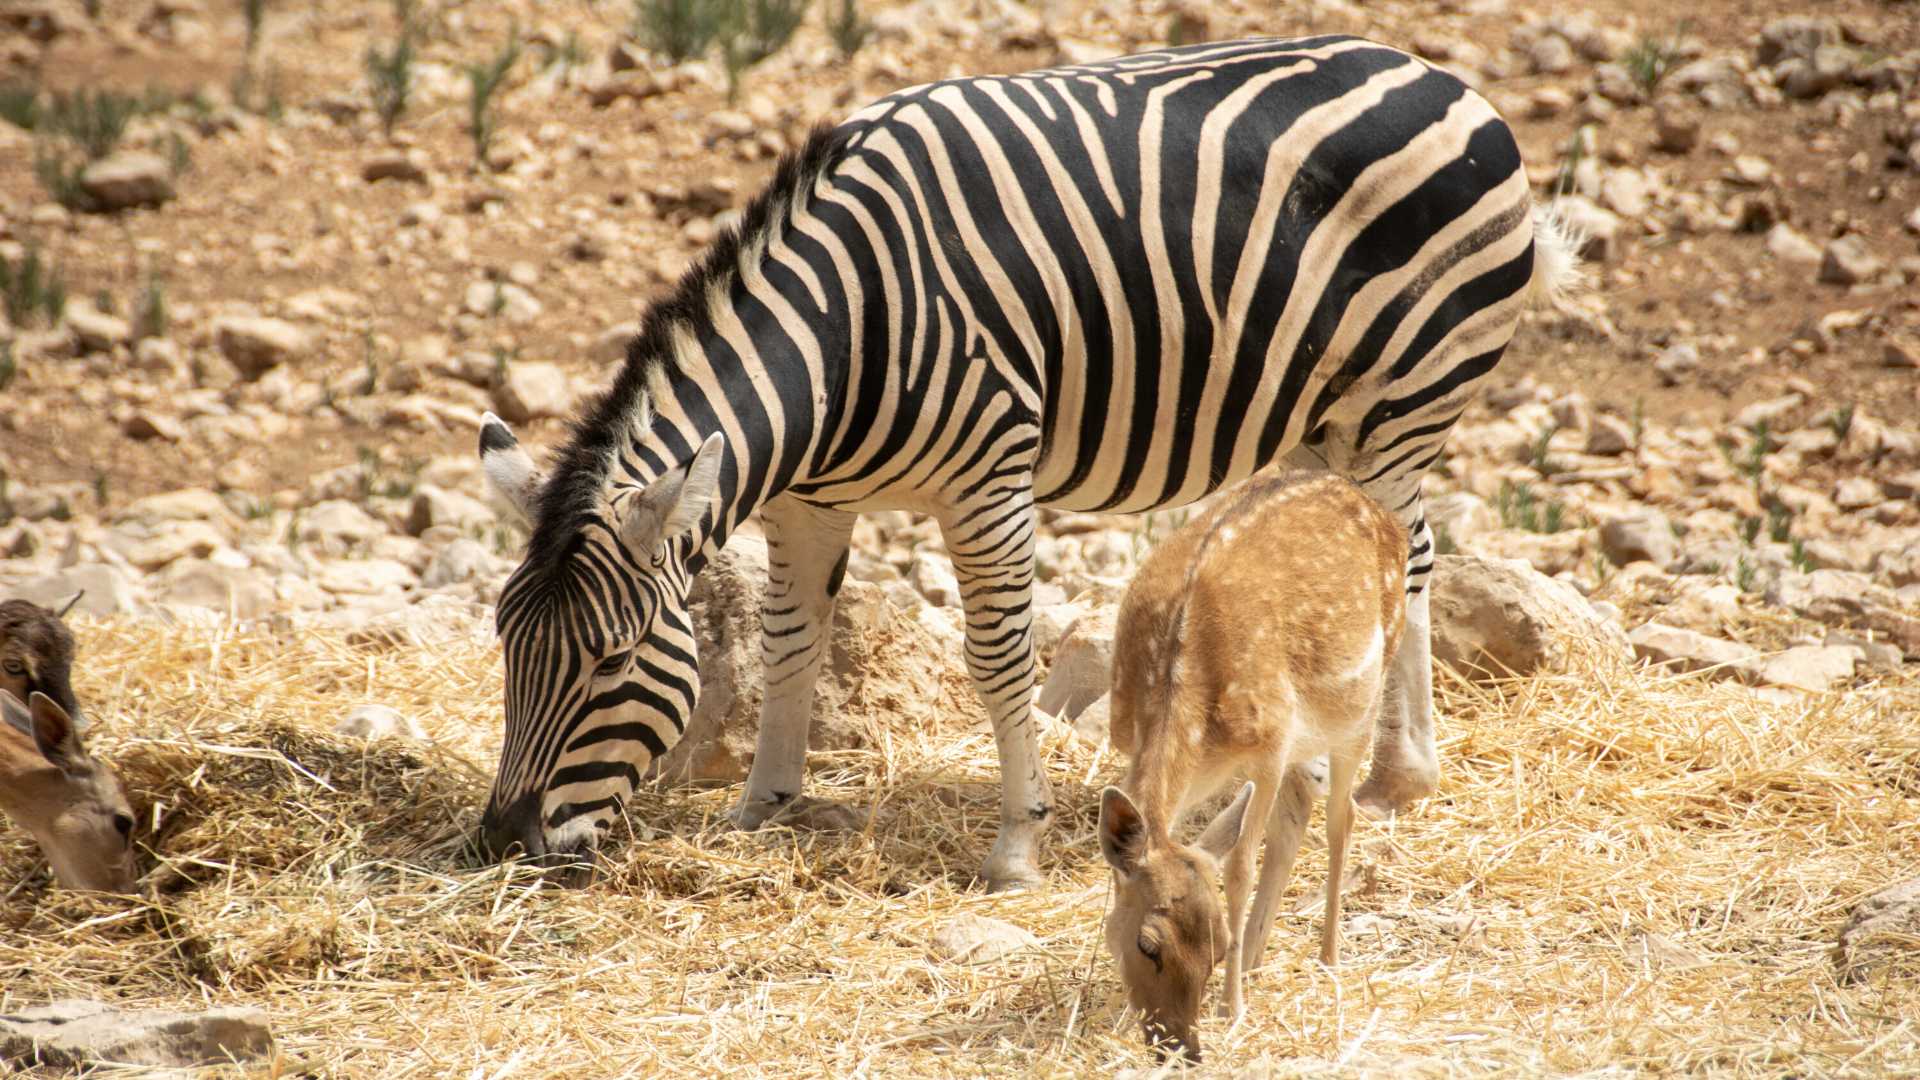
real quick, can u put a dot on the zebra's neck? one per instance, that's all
(766, 370)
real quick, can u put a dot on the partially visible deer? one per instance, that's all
(1252, 641)
(70, 801)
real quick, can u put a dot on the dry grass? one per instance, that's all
(1623, 873)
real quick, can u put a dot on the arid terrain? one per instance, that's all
(251, 326)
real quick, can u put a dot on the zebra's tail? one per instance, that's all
(1558, 276)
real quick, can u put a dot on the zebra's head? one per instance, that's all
(601, 668)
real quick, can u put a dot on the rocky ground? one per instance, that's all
(247, 439)
(281, 324)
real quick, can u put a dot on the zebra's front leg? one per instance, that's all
(992, 551)
(806, 559)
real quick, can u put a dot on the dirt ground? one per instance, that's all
(277, 208)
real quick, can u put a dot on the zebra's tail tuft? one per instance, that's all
(1558, 275)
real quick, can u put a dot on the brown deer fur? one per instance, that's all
(1252, 641)
(71, 802)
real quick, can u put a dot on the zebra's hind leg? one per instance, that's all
(991, 545)
(1405, 765)
(806, 558)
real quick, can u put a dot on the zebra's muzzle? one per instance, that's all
(514, 830)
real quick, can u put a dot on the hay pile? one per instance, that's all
(1622, 871)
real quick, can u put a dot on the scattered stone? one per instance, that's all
(932, 576)
(437, 506)
(1848, 261)
(1624, 191)
(364, 577)
(1814, 668)
(1641, 537)
(1677, 362)
(405, 167)
(1688, 650)
(1856, 493)
(1791, 246)
(1548, 102)
(372, 722)
(103, 590)
(255, 345)
(528, 391)
(460, 561)
(128, 179)
(503, 299)
(976, 939)
(244, 594)
(1495, 616)
(82, 1034)
(1882, 937)
(1676, 127)
(1903, 353)
(147, 424)
(1082, 666)
(338, 526)
(97, 331)
(1609, 436)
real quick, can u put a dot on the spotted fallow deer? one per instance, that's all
(69, 800)
(1252, 641)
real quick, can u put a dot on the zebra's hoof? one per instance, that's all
(799, 812)
(1387, 792)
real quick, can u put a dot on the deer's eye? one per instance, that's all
(612, 665)
(1150, 949)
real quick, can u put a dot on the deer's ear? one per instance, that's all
(1121, 831)
(1223, 832)
(54, 734)
(675, 504)
(508, 468)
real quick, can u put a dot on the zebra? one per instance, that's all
(1114, 286)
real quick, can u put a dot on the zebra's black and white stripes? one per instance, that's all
(1116, 286)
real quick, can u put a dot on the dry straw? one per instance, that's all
(1622, 873)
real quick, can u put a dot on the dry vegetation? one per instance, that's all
(1621, 872)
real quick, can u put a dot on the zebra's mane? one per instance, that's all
(577, 482)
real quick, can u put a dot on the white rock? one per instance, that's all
(1689, 650)
(502, 298)
(338, 526)
(254, 345)
(437, 506)
(149, 545)
(1848, 261)
(1642, 537)
(128, 179)
(372, 722)
(976, 939)
(243, 593)
(103, 590)
(932, 575)
(1789, 245)
(364, 577)
(460, 561)
(532, 390)
(98, 331)
(1082, 666)
(79, 1034)
(1494, 616)
(1880, 932)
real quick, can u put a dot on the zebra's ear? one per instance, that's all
(508, 467)
(675, 504)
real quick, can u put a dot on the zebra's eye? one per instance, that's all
(612, 665)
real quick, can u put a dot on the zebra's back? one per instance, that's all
(1186, 263)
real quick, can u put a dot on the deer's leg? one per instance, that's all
(1285, 826)
(806, 558)
(991, 544)
(1344, 763)
(1239, 882)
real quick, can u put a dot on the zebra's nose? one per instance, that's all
(513, 830)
